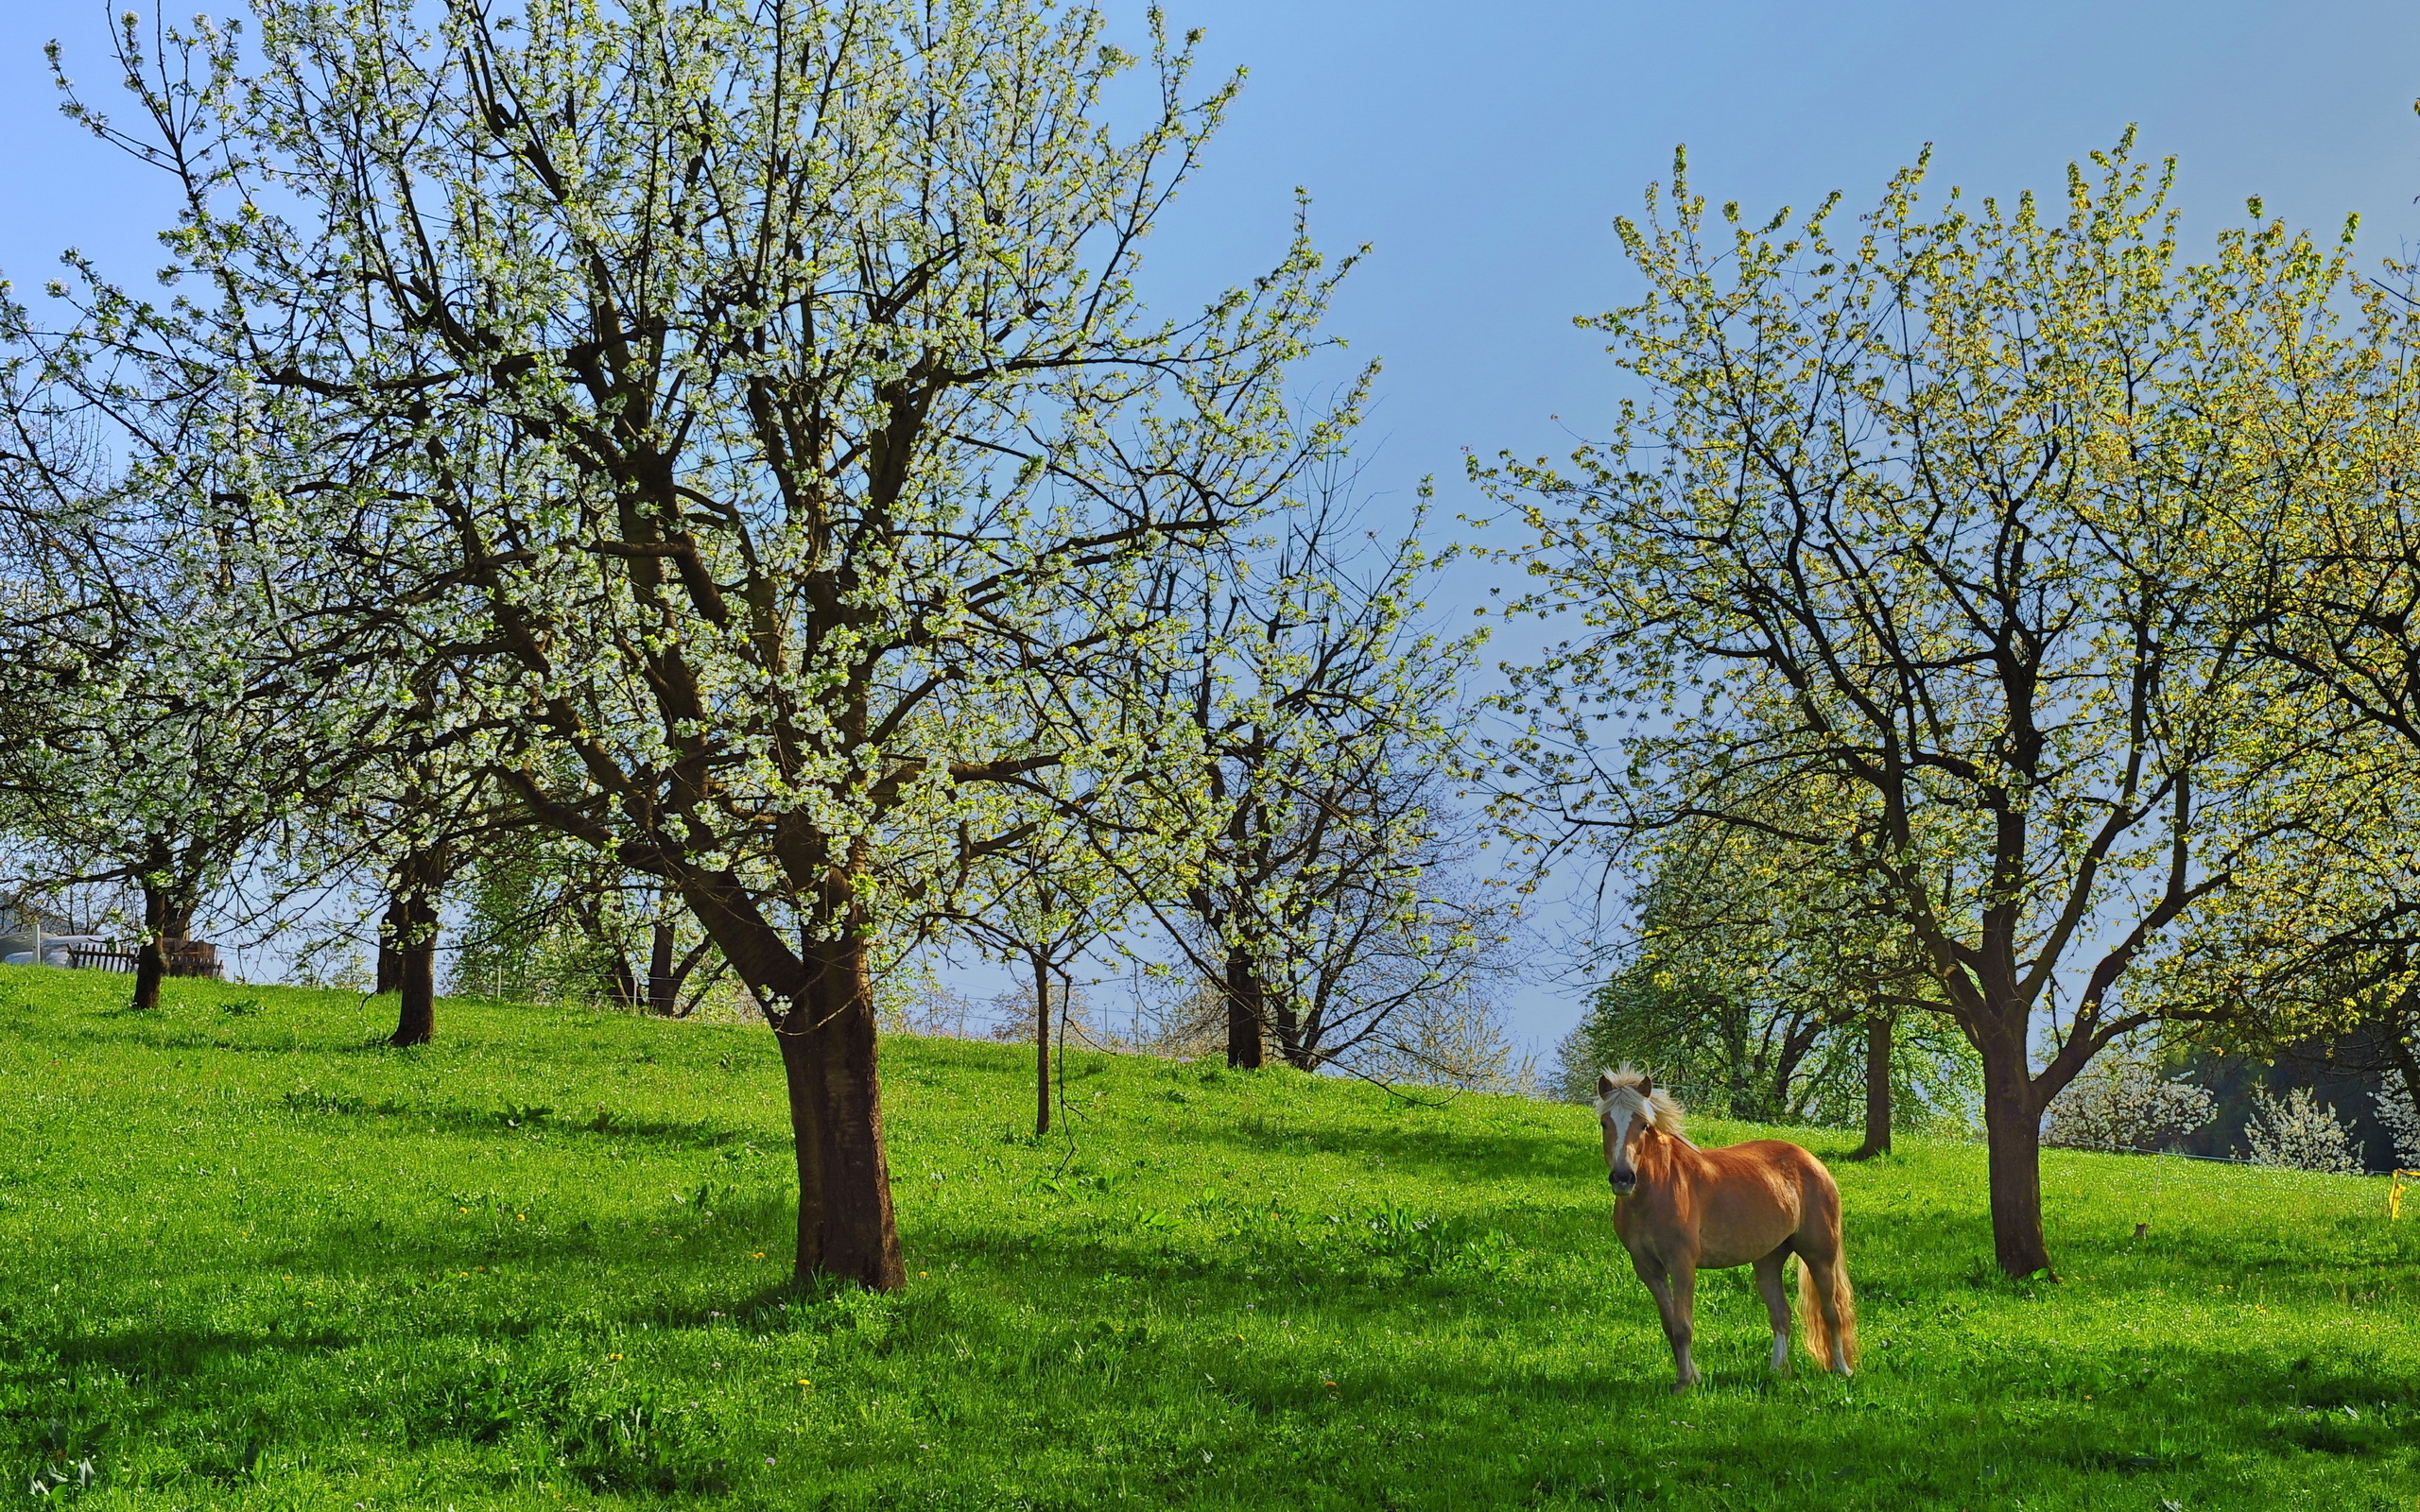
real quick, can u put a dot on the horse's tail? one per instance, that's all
(1810, 1311)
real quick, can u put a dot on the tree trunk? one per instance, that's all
(412, 921)
(1878, 1089)
(620, 982)
(390, 960)
(1245, 1004)
(151, 960)
(845, 1226)
(416, 1011)
(1041, 1046)
(2013, 1135)
(662, 987)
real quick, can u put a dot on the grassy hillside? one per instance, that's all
(253, 1261)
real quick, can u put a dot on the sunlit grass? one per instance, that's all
(254, 1261)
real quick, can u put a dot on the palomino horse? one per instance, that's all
(1679, 1210)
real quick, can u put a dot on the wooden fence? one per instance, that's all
(184, 957)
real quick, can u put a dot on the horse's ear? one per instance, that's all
(1646, 1086)
(1604, 1084)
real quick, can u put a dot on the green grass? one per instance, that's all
(251, 1260)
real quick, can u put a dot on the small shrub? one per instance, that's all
(2300, 1133)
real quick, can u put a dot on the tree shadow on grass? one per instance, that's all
(1444, 1153)
(515, 1120)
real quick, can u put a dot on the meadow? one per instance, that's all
(255, 1259)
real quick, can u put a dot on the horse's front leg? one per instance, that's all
(1674, 1289)
(1770, 1272)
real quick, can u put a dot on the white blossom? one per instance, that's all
(2121, 1102)
(2300, 1133)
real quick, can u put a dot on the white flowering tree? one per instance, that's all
(2122, 1102)
(148, 742)
(748, 403)
(2401, 1116)
(2299, 1132)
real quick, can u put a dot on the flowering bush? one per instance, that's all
(2300, 1132)
(2401, 1119)
(2121, 1102)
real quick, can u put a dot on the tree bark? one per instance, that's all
(151, 960)
(1041, 1046)
(1290, 1046)
(390, 960)
(1878, 1089)
(416, 989)
(845, 1224)
(826, 1036)
(663, 988)
(2012, 1137)
(412, 921)
(1246, 1001)
(621, 983)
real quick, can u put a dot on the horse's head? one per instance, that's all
(1628, 1107)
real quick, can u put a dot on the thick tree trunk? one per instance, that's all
(151, 960)
(1878, 1089)
(1040, 1047)
(1246, 1005)
(662, 987)
(826, 1035)
(2013, 1136)
(845, 1226)
(412, 930)
(416, 1012)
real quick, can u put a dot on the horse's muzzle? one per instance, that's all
(1623, 1182)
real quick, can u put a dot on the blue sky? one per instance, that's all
(1484, 149)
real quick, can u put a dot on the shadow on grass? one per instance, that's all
(515, 1120)
(1444, 1153)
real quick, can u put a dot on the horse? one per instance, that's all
(1679, 1210)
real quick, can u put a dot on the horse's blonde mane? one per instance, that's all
(1665, 1113)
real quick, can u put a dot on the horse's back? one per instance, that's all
(1764, 1193)
(1772, 1160)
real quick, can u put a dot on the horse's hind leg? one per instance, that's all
(1770, 1273)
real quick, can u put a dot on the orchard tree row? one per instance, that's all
(709, 463)
(723, 441)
